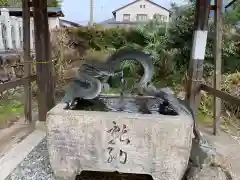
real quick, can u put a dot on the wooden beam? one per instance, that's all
(16, 82)
(27, 58)
(222, 95)
(218, 64)
(44, 65)
(213, 7)
(230, 3)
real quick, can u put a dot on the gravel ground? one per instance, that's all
(35, 166)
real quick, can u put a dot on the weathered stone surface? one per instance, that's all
(202, 152)
(211, 173)
(146, 144)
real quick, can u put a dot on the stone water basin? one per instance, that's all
(127, 142)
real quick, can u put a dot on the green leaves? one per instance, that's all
(54, 3)
(233, 16)
(3, 2)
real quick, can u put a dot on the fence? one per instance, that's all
(11, 32)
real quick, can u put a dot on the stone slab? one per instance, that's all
(16, 155)
(35, 166)
(116, 141)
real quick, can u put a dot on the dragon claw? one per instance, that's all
(70, 105)
(67, 106)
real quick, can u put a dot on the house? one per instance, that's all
(137, 12)
(140, 10)
(53, 15)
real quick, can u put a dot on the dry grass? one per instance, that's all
(230, 113)
(68, 58)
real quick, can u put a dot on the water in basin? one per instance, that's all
(131, 105)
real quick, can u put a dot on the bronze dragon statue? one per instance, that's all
(88, 85)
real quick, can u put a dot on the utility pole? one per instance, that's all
(218, 63)
(91, 13)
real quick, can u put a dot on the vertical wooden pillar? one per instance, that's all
(45, 77)
(27, 58)
(195, 71)
(218, 63)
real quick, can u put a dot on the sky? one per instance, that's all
(78, 10)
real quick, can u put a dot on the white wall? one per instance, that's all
(11, 30)
(135, 9)
(53, 22)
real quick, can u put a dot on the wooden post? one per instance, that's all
(27, 58)
(218, 63)
(195, 71)
(62, 53)
(45, 77)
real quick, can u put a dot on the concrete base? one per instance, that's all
(112, 141)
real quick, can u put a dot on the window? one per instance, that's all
(126, 17)
(160, 17)
(142, 17)
(164, 18)
(143, 6)
(140, 6)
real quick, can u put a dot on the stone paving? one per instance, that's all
(227, 149)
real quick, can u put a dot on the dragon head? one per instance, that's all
(98, 72)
